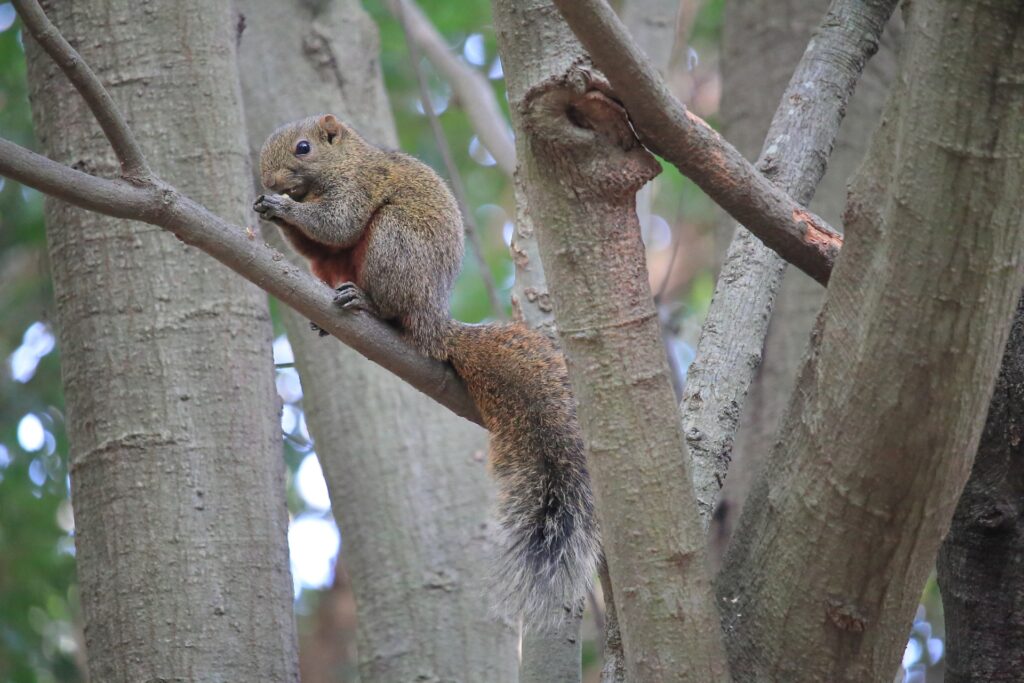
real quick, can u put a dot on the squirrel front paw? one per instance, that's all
(349, 297)
(271, 206)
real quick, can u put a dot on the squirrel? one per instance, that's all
(384, 230)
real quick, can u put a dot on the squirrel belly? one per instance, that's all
(387, 223)
(518, 380)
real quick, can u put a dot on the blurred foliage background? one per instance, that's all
(40, 626)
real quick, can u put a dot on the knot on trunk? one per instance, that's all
(578, 125)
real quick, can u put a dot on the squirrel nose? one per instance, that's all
(268, 179)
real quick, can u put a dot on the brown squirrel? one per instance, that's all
(384, 230)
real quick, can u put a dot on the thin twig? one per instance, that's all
(133, 162)
(676, 248)
(458, 188)
(665, 127)
(474, 93)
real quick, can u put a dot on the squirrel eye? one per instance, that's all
(303, 147)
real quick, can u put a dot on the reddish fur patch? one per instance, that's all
(335, 266)
(333, 269)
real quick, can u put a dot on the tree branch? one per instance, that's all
(160, 204)
(150, 200)
(794, 156)
(665, 127)
(864, 477)
(471, 88)
(133, 163)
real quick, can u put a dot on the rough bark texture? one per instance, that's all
(407, 478)
(794, 156)
(177, 475)
(881, 431)
(981, 562)
(763, 41)
(584, 168)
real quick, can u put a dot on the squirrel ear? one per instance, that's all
(331, 126)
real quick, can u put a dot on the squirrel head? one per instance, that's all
(297, 155)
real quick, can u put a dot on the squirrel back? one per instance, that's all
(383, 228)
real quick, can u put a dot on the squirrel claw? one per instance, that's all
(319, 330)
(349, 297)
(270, 206)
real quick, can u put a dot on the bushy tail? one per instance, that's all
(519, 382)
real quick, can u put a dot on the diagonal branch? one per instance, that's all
(133, 162)
(148, 199)
(471, 88)
(794, 158)
(665, 127)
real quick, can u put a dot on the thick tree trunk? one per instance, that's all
(881, 431)
(583, 166)
(981, 562)
(763, 42)
(408, 481)
(177, 474)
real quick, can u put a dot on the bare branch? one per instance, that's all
(239, 248)
(441, 140)
(133, 162)
(665, 126)
(794, 156)
(471, 88)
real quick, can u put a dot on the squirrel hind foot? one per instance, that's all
(349, 297)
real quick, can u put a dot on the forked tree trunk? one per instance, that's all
(176, 462)
(762, 43)
(882, 428)
(407, 478)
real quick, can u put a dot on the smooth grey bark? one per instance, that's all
(652, 23)
(407, 478)
(552, 652)
(763, 41)
(176, 467)
(981, 561)
(794, 156)
(584, 168)
(881, 431)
